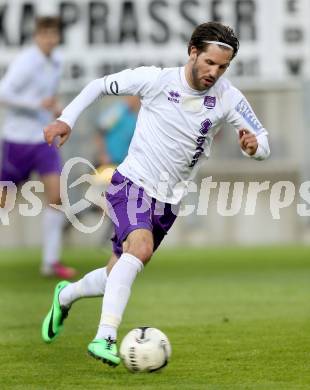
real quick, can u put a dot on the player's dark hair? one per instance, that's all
(213, 31)
(44, 22)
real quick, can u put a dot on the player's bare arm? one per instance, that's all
(248, 141)
(57, 129)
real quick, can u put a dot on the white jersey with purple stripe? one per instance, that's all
(31, 78)
(175, 127)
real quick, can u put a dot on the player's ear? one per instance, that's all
(193, 53)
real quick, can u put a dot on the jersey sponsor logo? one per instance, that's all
(114, 87)
(205, 127)
(209, 102)
(246, 112)
(174, 96)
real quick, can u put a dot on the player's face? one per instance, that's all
(207, 66)
(47, 39)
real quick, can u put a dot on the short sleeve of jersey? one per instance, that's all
(138, 82)
(239, 113)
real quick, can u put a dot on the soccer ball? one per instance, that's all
(145, 350)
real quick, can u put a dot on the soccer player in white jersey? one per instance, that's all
(182, 110)
(28, 90)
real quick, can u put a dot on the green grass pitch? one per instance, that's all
(236, 319)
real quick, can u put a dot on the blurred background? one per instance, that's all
(272, 69)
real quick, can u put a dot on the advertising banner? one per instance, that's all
(105, 36)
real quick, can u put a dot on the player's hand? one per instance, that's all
(49, 103)
(57, 129)
(248, 141)
(52, 104)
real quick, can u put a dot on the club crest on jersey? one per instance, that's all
(174, 96)
(209, 102)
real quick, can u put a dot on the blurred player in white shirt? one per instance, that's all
(28, 90)
(182, 109)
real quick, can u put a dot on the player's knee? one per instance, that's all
(143, 250)
(140, 243)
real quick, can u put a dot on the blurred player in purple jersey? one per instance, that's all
(28, 91)
(182, 109)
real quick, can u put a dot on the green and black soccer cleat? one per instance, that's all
(104, 350)
(53, 322)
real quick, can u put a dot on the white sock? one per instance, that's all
(91, 285)
(117, 293)
(52, 236)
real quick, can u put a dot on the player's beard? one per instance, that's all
(197, 83)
